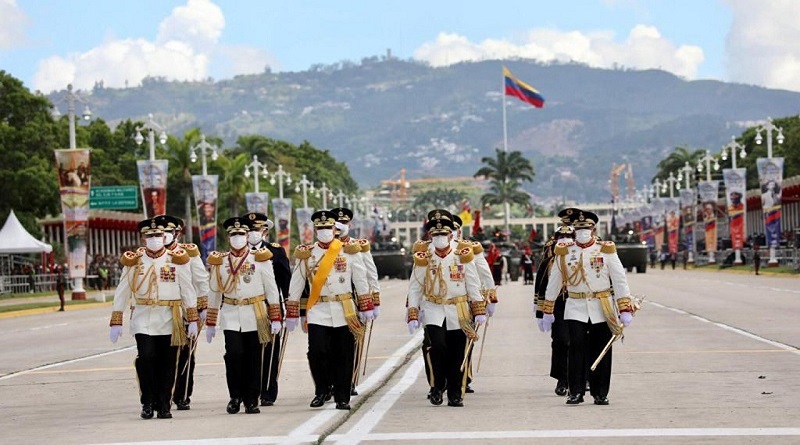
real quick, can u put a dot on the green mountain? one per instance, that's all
(382, 115)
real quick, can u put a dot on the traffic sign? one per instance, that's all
(117, 197)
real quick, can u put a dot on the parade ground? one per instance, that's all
(712, 357)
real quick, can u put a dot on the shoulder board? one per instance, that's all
(562, 248)
(130, 258)
(263, 254)
(364, 243)
(179, 256)
(275, 245)
(191, 249)
(141, 250)
(421, 246)
(352, 247)
(466, 254)
(303, 252)
(421, 258)
(608, 247)
(477, 248)
(215, 258)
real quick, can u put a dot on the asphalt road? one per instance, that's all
(710, 358)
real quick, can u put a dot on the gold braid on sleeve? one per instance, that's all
(491, 295)
(413, 314)
(274, 312)
(211, 317)
(116, 318)
(292, 309)
(365, 302)
(202, 303)
(624, 304)
(376, 298)
(548, 306)
(477, 308)
(191, 314)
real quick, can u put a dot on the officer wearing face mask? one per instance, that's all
(173, 230)
(242, 281)
(445, 285)
(256, 239)
(559, 334)
(160, 284)
(594, 313)
(335, 316)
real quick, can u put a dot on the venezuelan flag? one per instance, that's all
(521, 90)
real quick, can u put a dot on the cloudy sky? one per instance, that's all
(50, 43)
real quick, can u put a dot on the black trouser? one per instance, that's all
(559, 344)
(242, 365)
(497, 274)
(528, 269)
(447, 353)
(426, 355)
(331, 352)
(586, 342)
(269, 373)
(155, 369)
(185, 379)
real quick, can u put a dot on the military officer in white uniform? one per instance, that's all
(335, 317)
(241, 281)
(444, 285)
(589, 268)
(158, 285)
(173, 232)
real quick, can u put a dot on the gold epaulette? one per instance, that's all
(466, 255)
(303, 251)
(421, 246)
(364, 243)
(477, 248)
(276, 245)
(263, 254)
(191, 249)
(352, 247)
(130, 258)
(215, 258)
(608, 247)
(462, 244)
(179, 256)
(421, 258)
(562, 248)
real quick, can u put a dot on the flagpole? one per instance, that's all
(506, 206)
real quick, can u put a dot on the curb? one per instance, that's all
(45, 310)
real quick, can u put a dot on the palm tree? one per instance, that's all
(676, 161)
(505, 192)
(179, 154)
(507, 171)
(233, 185)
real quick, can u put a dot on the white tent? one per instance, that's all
(15, 239)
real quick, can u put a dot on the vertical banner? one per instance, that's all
(153, 183)
(770, 177)
(735, 192)
(74, 177)
(304, 225)
(658, 206)
(647, 227)
(283, 221)
(673, 224)
(257, 202)
(708, 191)
(205, 201)
(688, 215)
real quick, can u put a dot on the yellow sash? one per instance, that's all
(323, 271)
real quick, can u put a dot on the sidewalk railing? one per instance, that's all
(21, 284)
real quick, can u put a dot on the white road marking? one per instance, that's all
(66, 362)
(644, 432)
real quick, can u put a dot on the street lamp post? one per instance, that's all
(737, 150)
(151, 128)
(706, 161)
(323, 193)
(671, 183)
(282, 177)
(684, 174)
(255, 165)
(203, 146)
(307, 186)
(768, 128)
(340, 197)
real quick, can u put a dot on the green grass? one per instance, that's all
(782, 270)
(28, 295)
(53, 304)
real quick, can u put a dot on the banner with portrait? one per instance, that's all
(658, 207)
(770, 177)
(647, 227)
(673, 223)
(688, 216)
(257, 202)
(74, 178)
(282, 209)
(708, 192)
(153, 184)
(735, 193)
(305, 226)
(205, 202)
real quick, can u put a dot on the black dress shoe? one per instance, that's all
(329, 395)
(267, 402)
(147, 412)
(436, 397)
(353, 391)
(469, 390)
(561, 388)
(317, 401)
(600, 400)
(574, 399)
(455, 402)
(251, 409)
(429, 393)
(343, 405)
(234, 406)
(164, 414)
(182, 405)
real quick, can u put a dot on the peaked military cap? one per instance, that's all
(150, 226)
(343, 215)
(440, 213)
(257, 220)
(236, 225)
(565, 231)
(584, 219)
(457, 223)
(440, 225)
(323, 219)
(170, 223)
(567, 214)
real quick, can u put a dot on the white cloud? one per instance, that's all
(13, 22)
(643, 48)
(763, 45)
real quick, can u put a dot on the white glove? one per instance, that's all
(303, 325)
(490, 309)
(115, 334)
(376, 311)
(413, 325)
(211, 331)
(540, 323)
(480, 319)
(625, 318)
(291, 324)
(275, 327)
(192, 331)
(366, 316)
(202, 315)
(547, 322)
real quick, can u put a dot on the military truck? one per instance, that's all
(631, 250)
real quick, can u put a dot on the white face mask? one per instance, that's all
(344, 229)
(168, 238)
(325, 235)
(440, 241)
(583, 236)
(155, 243)
(254, 238)
(238, 241)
